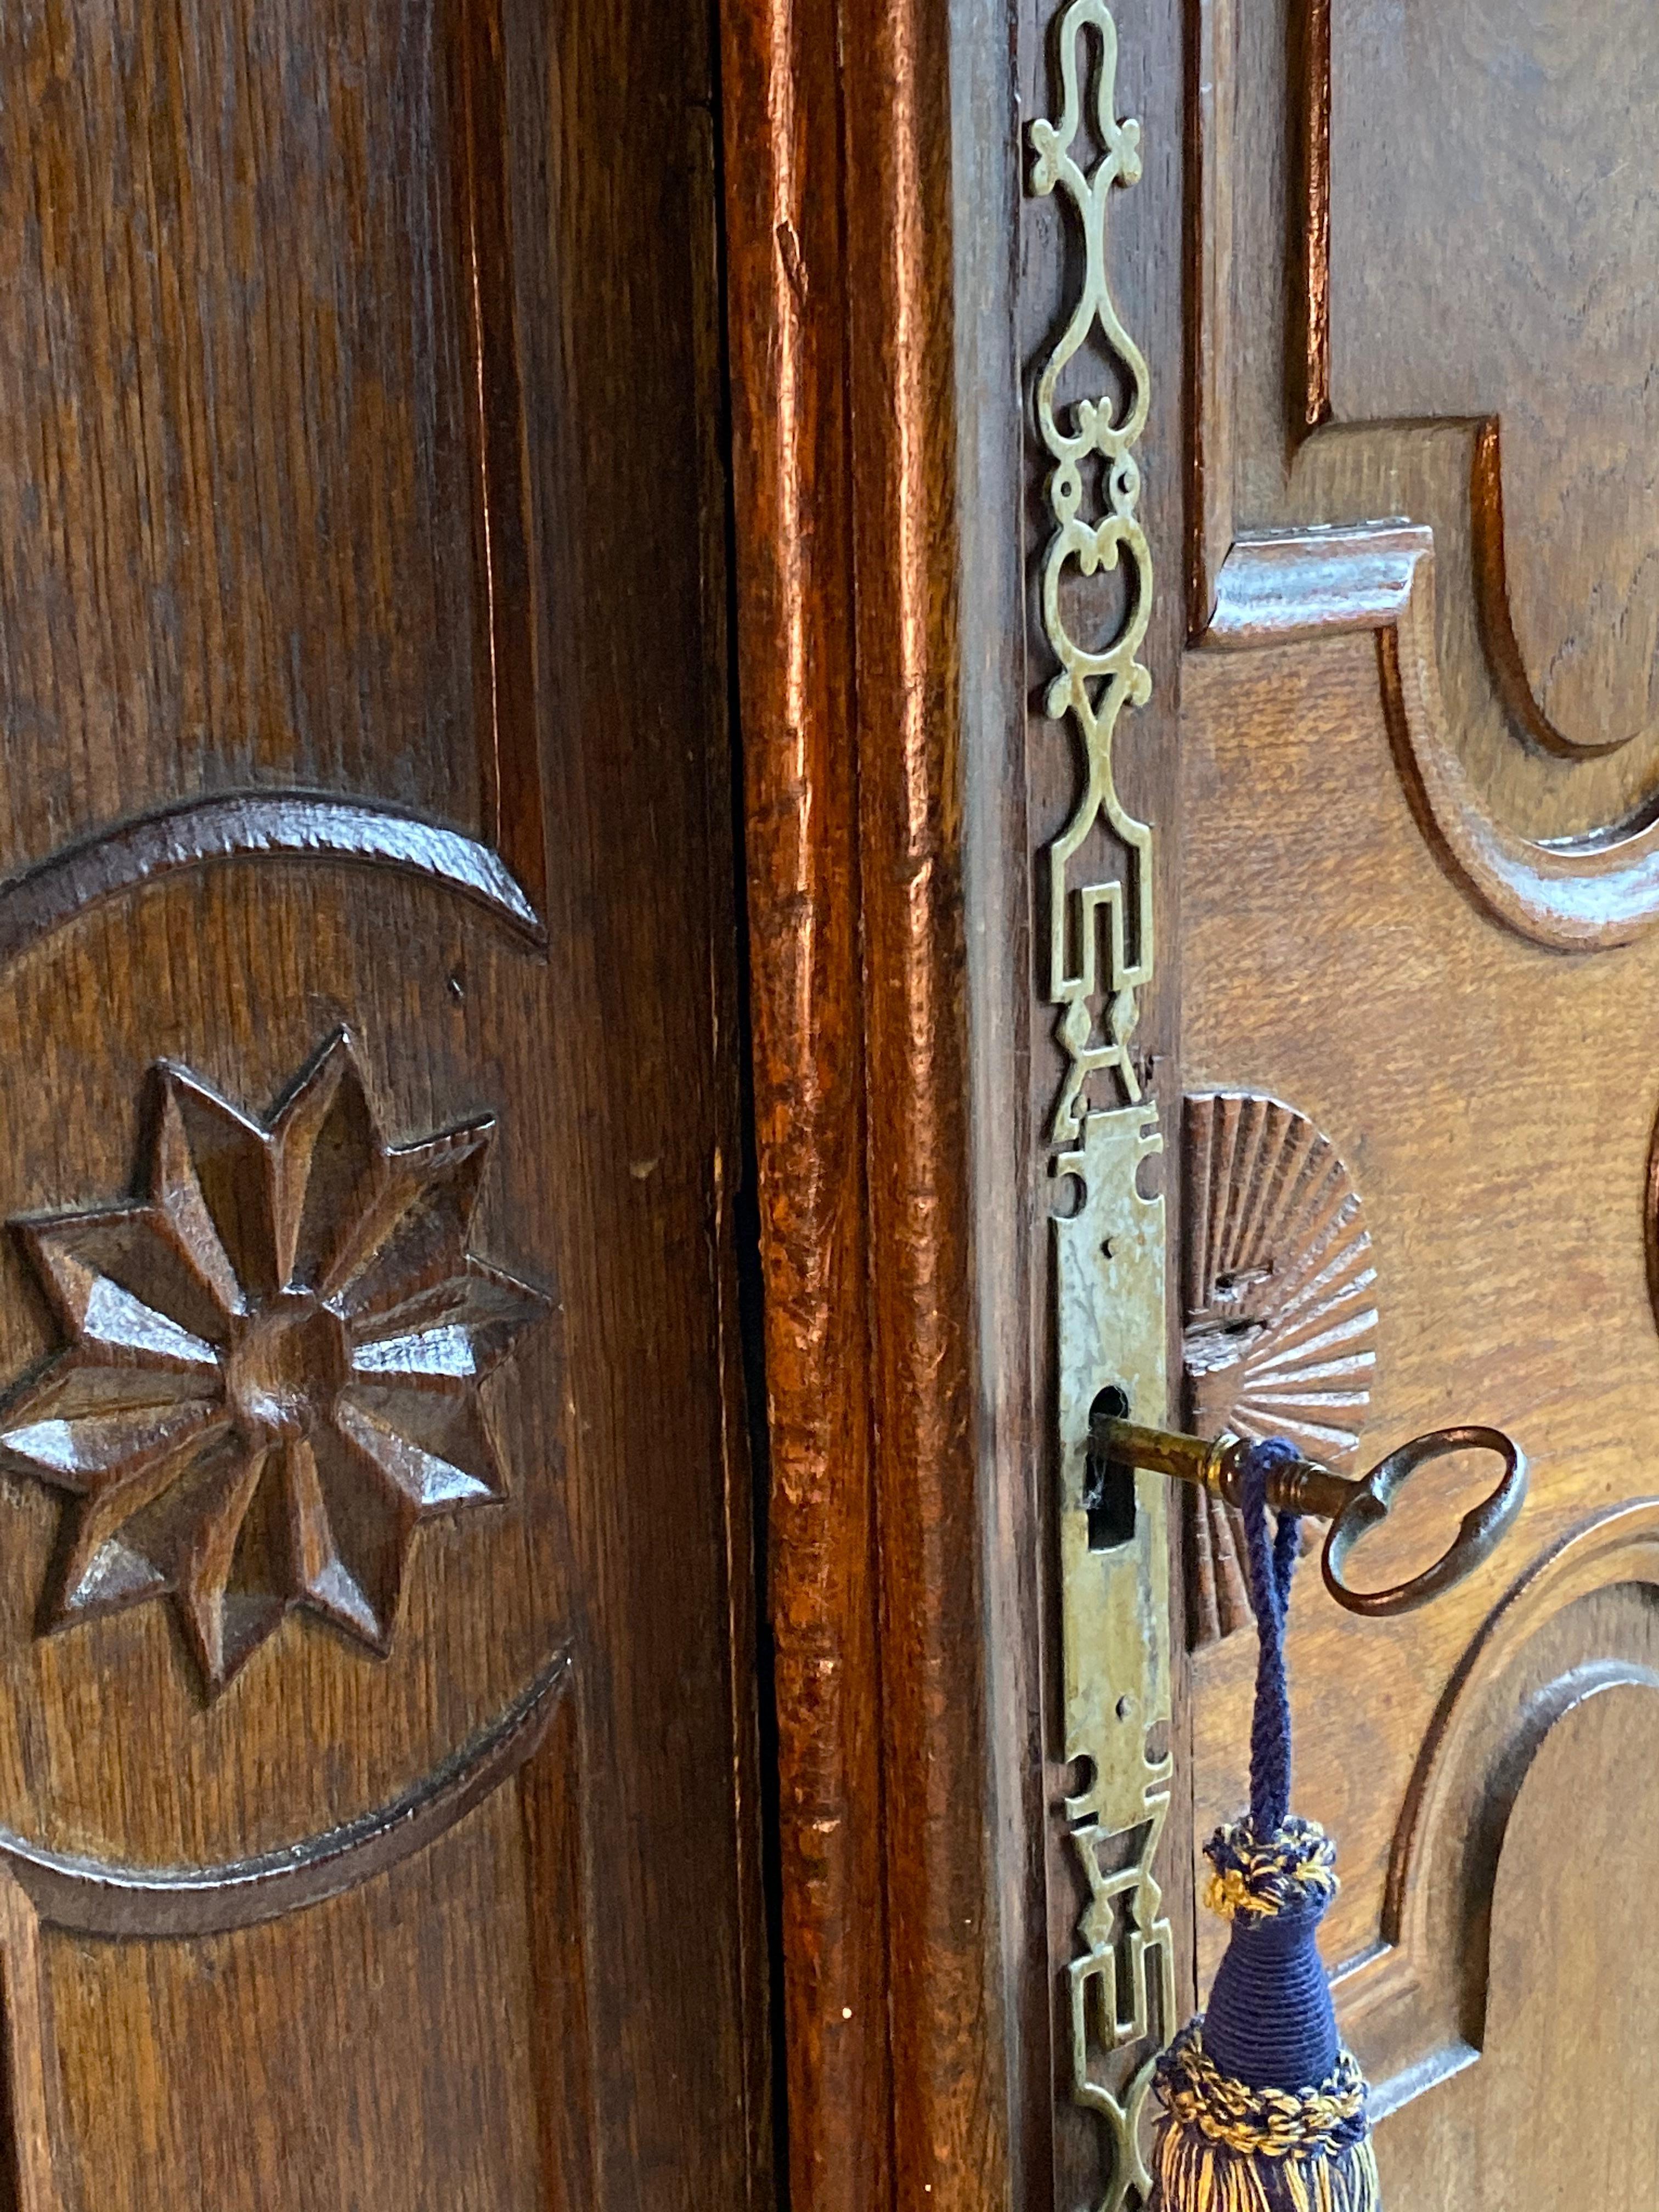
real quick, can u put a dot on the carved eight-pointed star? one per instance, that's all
(273, 1366)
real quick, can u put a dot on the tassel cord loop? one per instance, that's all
(1272, 1563)
(1263, 2108)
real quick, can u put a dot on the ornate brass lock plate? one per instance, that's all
(1109, 1270)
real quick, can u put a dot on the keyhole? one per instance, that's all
(1108, 1486)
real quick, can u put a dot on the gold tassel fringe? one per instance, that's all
(1191, 2173)
(1224, 2146)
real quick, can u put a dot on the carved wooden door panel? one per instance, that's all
(376, 1805)
(1363, 930)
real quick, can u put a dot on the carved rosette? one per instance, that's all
(1279, 1315)
(272, 1366)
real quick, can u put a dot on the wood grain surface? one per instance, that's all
(898, 1389)
(362, 660)
(1503, 1184)
(1271, 261)
(1542, 322)
(1416, 814)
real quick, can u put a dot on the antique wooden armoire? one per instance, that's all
(752, 747)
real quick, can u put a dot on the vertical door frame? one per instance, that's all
(870, 203)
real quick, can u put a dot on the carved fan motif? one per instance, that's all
(1279, 1335)
(273, 1365)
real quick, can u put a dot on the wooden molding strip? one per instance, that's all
(1580, 894)
(839, 234)
(788, 339)
(950, 2112)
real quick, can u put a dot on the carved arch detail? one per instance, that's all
(1573, 895)
(1415, 2007)
(97, 1897)
(292, 826)
(1311, 564)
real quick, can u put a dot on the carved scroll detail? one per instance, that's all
(1096, 682)
(1413, 2004)
(272, 1367)
(1109, 1252)
(100, 1897)
(1279, 1314)
(1574, 894)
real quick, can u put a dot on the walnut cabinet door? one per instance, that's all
(1374, 935)
(1198, 615)
(377, 1808)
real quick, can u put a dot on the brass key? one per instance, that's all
(1353, 1508)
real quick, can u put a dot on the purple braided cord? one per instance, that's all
(1271, 1567)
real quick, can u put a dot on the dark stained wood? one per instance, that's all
(159, 2072)
(200, 238)
(504, 645)
(362, 667)
(788, 340)
(987, 167)
(911, 1983)
(69, 1893)
(158, 2062)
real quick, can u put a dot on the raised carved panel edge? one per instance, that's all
(1279, 1309)
(271, 1369)
(1310, 79)
(1414, 2005)
(96, 1896)
(534, 1747)
(286, 826)
(1572, 894)
(1109, 1249)
(1305, 577)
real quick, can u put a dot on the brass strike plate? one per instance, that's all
(1109, 1270)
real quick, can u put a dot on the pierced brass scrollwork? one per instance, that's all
(1094, 682)
(1109, 1248)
